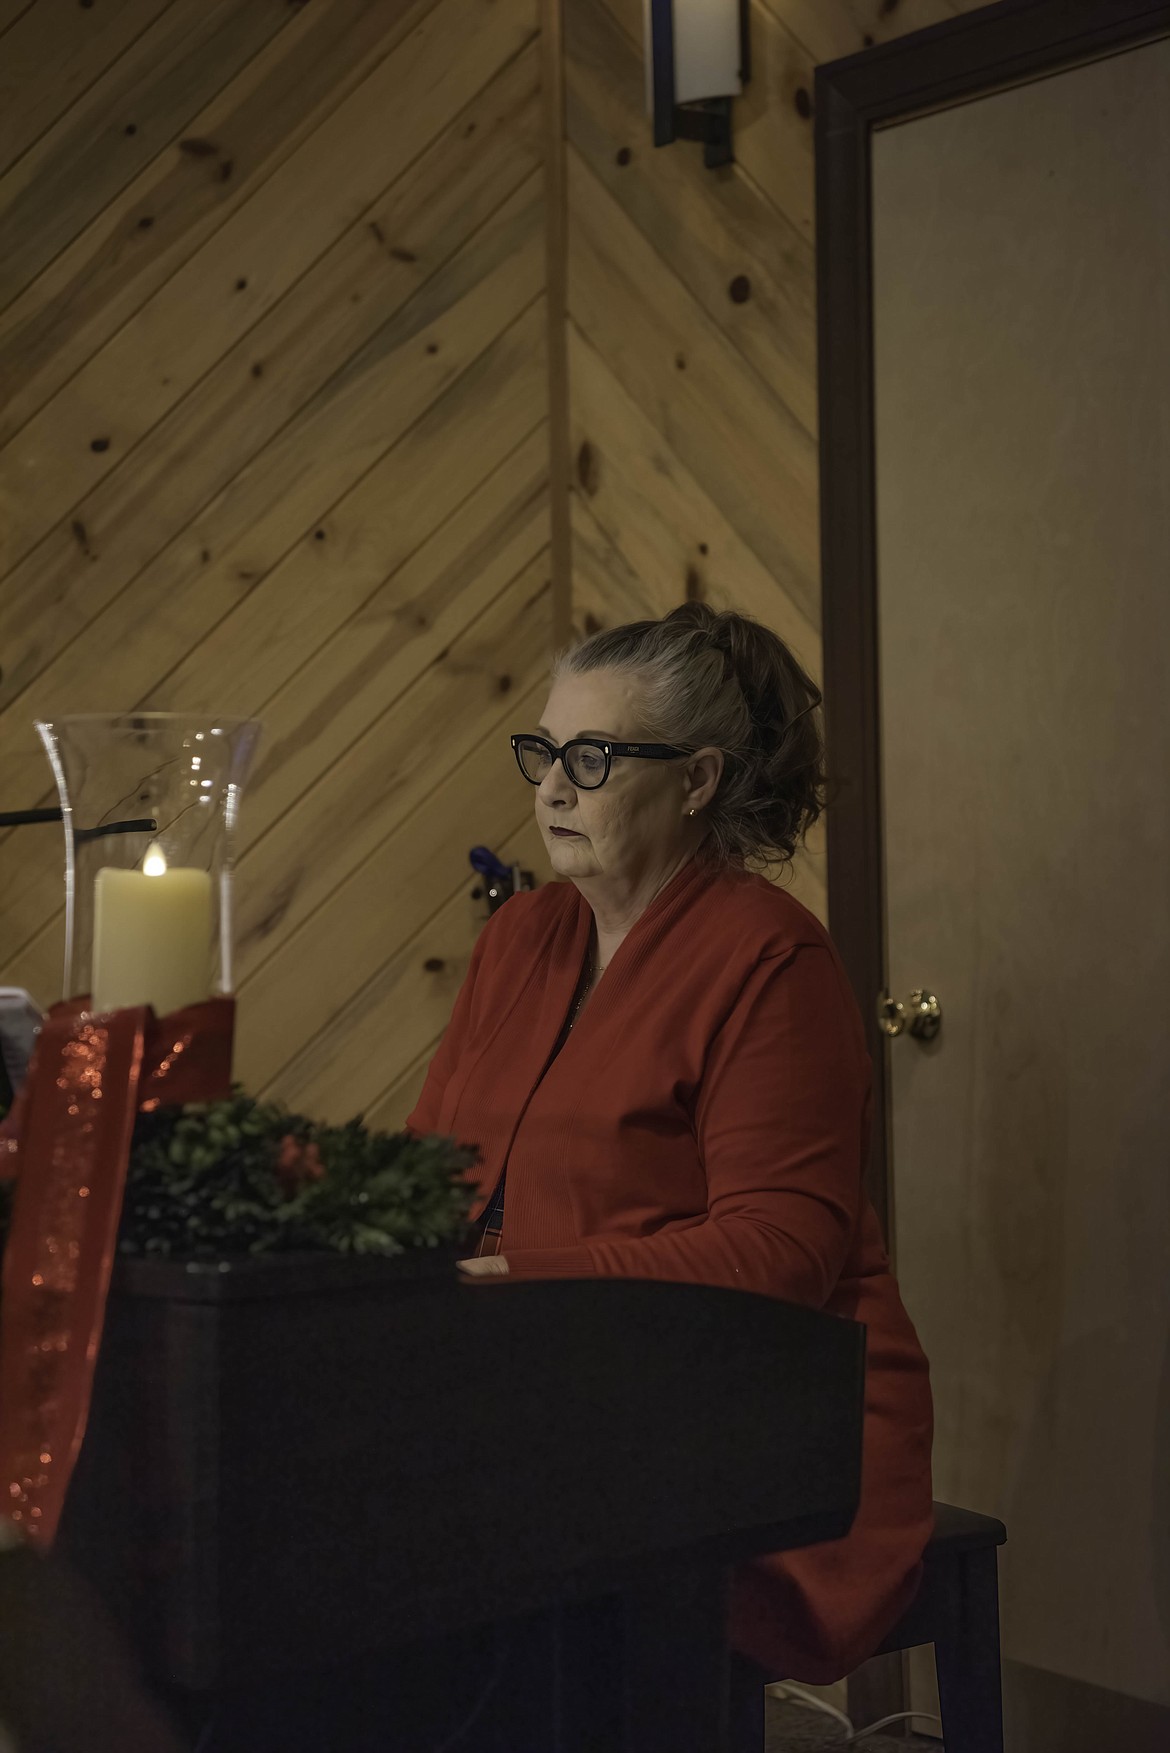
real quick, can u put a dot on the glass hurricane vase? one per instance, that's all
(150, 802)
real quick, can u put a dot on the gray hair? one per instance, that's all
(716, 678)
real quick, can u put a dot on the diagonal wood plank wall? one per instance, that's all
(274, 437)
(692, 333)
(274, 440)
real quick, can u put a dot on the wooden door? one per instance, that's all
(1020, 563)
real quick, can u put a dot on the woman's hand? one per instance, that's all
(485, 1266)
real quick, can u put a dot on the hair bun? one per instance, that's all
(729, 636)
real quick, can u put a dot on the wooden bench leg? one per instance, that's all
(746, 1682)
(967, 1660)
(877, 1689)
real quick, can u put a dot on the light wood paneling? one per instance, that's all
(275, 506)
(393, 768)
(300, 308)
(185, 192)
(391, 1106)
(557, 259)
(160, 81)
(11, 11)
(404, 869)
(250, 416)
(829, 29)
(709, 230)
(657, 515)
(275, 425)
(249, 264)
(692, 334)
(51, 58)
(754, 459)
(405, 993)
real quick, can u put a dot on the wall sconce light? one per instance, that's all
(698, 57)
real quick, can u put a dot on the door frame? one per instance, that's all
(972, 55)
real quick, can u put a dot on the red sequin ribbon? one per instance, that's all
(67, 1139)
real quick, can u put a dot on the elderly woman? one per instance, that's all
(663, 1064)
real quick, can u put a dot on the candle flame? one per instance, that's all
(154, 864)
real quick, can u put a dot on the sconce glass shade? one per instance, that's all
(707, 43)
(150, 802)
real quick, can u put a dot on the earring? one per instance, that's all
(690, 812)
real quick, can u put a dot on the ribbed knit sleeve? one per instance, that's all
(782, 1122)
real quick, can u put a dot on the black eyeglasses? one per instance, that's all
(586, 760)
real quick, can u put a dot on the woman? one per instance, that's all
(664, 1066)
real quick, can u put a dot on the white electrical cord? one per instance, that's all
(898, 1716)
(783, 1689)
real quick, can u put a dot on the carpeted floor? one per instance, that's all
(793, 1728)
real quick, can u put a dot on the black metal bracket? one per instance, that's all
(707, 120)
(710, 122)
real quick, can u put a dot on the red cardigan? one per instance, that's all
(707, 1120)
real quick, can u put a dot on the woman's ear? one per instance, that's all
(703, 772)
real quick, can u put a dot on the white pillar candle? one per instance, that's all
(151, 936)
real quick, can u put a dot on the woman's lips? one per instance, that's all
(571, 832)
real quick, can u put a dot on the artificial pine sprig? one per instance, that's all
(242, 1176)
(214, 1179)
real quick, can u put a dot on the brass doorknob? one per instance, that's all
(920, 1015)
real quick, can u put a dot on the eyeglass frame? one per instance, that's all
(640, 751)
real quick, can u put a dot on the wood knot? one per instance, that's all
(588, 469)
(434, 965)
(740, 289)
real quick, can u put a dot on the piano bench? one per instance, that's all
(957, 1610)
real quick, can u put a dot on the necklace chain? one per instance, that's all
(590, 972)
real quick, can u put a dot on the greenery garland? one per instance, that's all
(213, 1179)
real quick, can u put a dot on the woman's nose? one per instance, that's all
(556, 782)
